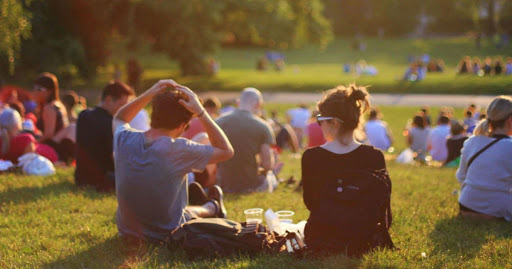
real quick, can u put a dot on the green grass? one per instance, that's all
(50, 223)
(310, 69)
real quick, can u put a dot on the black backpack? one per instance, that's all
(353, 214)
(211, 237)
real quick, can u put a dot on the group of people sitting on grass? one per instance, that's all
(40, 122)
(150, 170)
(487, 67)
(444, 141)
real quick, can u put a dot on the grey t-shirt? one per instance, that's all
(419, 139)
(151, 181)
(247, 133)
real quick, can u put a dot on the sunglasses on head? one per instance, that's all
(320, 118)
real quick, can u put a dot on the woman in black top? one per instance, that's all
(341, 116)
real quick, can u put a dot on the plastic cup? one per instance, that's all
(285, 216)
(254, 215)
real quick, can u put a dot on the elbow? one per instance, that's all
(227, 154)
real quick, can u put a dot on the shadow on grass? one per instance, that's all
(463, 238)
(30, 194)
(113, 253)
(118, 253)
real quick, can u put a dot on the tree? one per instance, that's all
(190, 29)
(14, 26)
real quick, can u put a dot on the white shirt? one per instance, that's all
(141, 121)
(376, 131)
(437, 142)
(299, 117)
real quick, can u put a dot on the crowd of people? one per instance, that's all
(487, 67)
(177, 165)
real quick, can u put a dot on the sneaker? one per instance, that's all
(196, 194)
(217, 194)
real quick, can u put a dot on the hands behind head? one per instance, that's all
(186, 97)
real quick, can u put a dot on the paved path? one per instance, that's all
(377, 99)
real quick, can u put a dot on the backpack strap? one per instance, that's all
(482, 150)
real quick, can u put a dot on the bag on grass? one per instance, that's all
(35, 164)
(210, 237)
(353, 214)
(406, 156)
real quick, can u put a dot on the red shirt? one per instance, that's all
(315, 134)
(194, 128)
(17, 147)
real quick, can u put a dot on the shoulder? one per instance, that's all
(311, 153)
(24, 138)
(371, 155)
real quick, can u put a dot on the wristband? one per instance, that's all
(200, 114)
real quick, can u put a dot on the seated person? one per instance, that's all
(252, 138)
(53, 119)
(212, 106)
(94, 151)
(417, 138)
(485, 170)
(341, 111)
(13, 144)
(298, 119)
(437, 139)
(70, 101)
(377, 131)
(454, 144)
(152, 167)
(314, 132)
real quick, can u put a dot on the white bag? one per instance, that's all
(407, 156)
(34, 164)
(4, 165)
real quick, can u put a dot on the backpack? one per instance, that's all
(353, 214)
(211, 237)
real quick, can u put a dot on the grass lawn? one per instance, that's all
(311, 69)
(50, 223)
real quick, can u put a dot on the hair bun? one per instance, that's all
(358, 94)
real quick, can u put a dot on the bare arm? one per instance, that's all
(130, 110)
(266, 157)
(49, 118)
(222, 149)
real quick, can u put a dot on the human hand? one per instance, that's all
(189, 100)
(162, 85)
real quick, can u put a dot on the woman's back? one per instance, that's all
(419, 139)
(492, 169)
(487, 183)
(319, 165)
(329, 179)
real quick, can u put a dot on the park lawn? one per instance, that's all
(50, 223)
(310, 69)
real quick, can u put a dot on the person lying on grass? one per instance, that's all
(151, 166)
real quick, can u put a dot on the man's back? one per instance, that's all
(94, 159)
(151, 183)
(246, 133)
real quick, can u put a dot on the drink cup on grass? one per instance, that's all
(254, 215)
(285, 216)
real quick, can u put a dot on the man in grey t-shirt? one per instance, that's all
(250, 169)
(151, 166)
